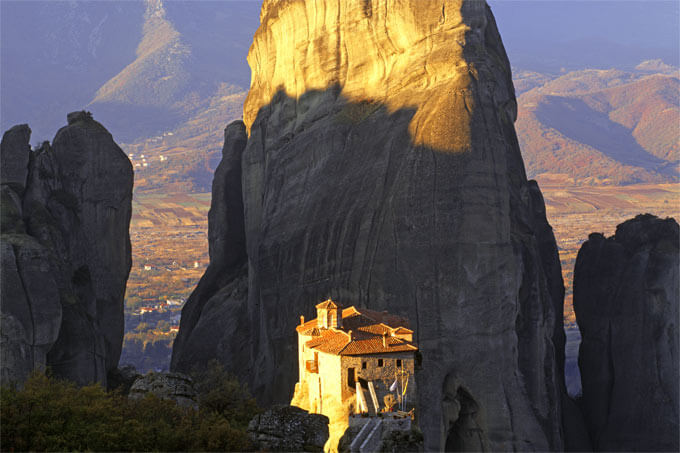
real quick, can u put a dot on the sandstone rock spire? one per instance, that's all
(627, 304)
(65, 252)
(382, 169)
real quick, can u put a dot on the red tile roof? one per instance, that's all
(367, 328)
(327, 304)
(402, 330)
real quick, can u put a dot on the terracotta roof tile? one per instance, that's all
(368, 328)
(306, 326)
(330, 341)
(374, 345)
(402, 330)
(311, 332)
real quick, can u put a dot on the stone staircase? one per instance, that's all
(369, 437)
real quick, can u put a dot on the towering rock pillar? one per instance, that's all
(627, 304)
(66, 254)
(382, 169)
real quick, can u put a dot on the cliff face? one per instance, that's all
(214, 319)
(65, 251)
(626, 299)
(382, 169)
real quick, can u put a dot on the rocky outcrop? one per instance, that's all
(382, 169)
(65, 251)
(626, 300)
(288, 428)
(391, 440)
(402, 442)
(169, 386)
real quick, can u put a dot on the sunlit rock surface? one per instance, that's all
(65, 252)
(626, 299)
(382, 169)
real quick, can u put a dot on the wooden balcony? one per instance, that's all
(312, 366)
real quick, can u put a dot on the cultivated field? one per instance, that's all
(169, 235)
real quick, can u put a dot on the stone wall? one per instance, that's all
(382, 376)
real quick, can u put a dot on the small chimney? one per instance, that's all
(350, 335)
(302, 320)
(384, 340)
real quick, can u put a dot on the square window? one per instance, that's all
(380, 362)
(398, 362)
(363, 365)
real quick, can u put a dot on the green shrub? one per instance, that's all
(53, 415)
(221, 393)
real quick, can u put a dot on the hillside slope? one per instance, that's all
(602, 127)
(187, 52)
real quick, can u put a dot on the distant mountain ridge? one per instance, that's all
(141, 67)
(602, 127)
(55, 55)
(180, 66)
(584, 127)
(158, 72)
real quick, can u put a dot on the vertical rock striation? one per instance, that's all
(626, 299)
(382, 169)
(65, 252)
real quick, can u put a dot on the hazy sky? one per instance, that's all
(613, 31)
(56, 54)
(647, 23)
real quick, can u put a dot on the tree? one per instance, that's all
(53, 415)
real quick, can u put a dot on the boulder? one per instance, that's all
(288, 428)
(626, 301)
(177, 387)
